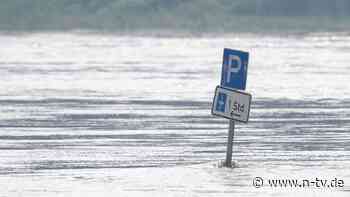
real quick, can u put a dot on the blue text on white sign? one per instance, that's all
(231, 104)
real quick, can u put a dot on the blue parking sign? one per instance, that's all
(234, 69)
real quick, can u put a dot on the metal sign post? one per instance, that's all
(231, 133)
(230, 100)
(233, 105)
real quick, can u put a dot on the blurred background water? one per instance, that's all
(106, 114)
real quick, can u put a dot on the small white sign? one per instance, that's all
(231, 104)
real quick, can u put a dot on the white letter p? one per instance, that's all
(233, 68)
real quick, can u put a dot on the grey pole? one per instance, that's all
(231, 132)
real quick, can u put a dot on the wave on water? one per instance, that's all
(89, 134)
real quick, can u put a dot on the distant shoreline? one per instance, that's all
(238, 24)
(185, 16)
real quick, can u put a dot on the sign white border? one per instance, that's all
(223, 114)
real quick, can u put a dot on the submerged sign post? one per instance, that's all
(230, 100)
